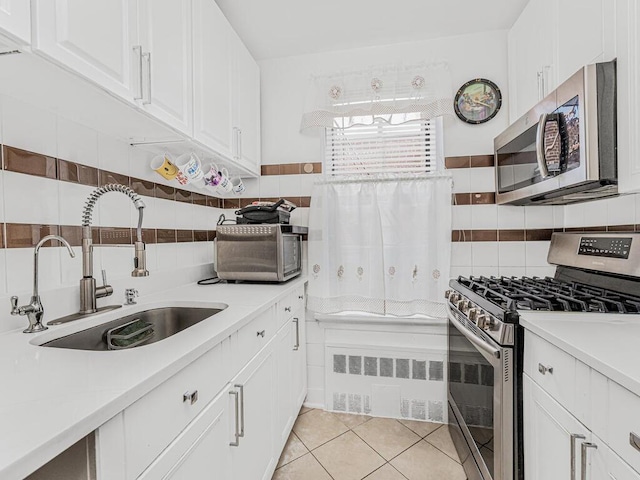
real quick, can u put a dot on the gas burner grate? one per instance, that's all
(535, 293)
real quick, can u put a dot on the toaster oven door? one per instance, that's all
(291, 255)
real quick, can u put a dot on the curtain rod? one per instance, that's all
(373, 179)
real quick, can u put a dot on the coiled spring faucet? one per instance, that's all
(89, 292)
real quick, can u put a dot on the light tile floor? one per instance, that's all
(338, 446)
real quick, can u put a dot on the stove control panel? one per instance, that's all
(610, 247)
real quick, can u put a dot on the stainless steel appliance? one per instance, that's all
(265, 253)
(595, 273)
(564, 149)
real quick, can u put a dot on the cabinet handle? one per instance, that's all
(634, 440)
(543, 369)
(237, 419)
(234, 146)
(300, 297)
(191, 397)
(583, 462)
(138, 51)
(287, 309)
(239, 143)
(297, 322)
(147, 58)
(261, 333)
(574, 437)
(241, 387)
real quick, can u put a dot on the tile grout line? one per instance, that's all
(439, 449)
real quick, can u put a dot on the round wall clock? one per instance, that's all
(477, 101)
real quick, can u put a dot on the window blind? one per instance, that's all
(381, 148)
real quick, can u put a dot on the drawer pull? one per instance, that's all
(287, 309)
(297, 322)
(191, 397)
(574, 437)
(583, 463)
(261, 333)
(634, 440)
(543, 369)
(236, 419)
(300, 297)
(241, 388)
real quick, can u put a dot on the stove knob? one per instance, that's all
(485, 322)
(464, 305)
(447, 294)
(454, 297)
(473, 314)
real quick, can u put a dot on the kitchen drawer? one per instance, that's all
(151, 423)
(292, 304)
(551, 368)
(255, 335)
(623, 420)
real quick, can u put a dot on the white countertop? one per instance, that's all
(53, 397)
(608, 343)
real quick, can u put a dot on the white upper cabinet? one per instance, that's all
(15, 20)
(246, 96)
(94, 39)
(628, 50)
(550, 41)
(212, 62)
(531, 45)
(165, 61)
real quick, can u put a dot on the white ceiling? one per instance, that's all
(280, 28)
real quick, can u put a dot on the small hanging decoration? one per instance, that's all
(415, 272)
(376, 84)
(340, 272)
(360, 272)
(335, 92)
(392, 271)
(435, 274)
(316, 270)
(418, 82)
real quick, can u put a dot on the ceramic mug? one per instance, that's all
(190, 166)
(212, 177)
(163, 166)
(225, 182)
(237, 186)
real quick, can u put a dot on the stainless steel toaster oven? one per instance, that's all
(264, 253)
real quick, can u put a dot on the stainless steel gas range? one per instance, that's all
(595, 273)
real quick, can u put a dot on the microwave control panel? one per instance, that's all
(610, 247)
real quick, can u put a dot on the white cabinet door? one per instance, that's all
(580, 42)
(200, 451)
(254, 456)
(284, 345)
(549, 433)
(94, 39)
(15, 19)
(212, 65)
(246, 97)
(299, 361)
(628, 51)
(165, 39)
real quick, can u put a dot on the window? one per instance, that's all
(382, 148)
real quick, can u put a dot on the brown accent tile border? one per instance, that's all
(200, 236)
(533, 235)
(23, 235)
(72, 234)
(184, 196)
(148, 235)
(599, 228)
(1, 235)
(77, 173)
(460, 199)
(115, 236)
(30, 163)
(484, 235)
(487, 198)
(166, 192)
(166, 235)
(471, 161)
(622, 228)
(511, 235)
(291, 168)
(105, 177)
(540, 235)
(143, 187)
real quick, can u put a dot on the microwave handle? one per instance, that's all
(540, 156)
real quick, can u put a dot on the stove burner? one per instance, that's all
(533, 293)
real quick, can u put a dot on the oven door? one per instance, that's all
(480, 401)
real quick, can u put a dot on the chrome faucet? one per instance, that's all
(34, 311)
(89, 292)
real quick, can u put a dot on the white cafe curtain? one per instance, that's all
(385, 92)
(380, 245)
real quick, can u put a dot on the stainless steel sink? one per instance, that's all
(142, 328)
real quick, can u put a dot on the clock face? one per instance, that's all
(477, 101)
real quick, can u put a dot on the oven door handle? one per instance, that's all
(540, 151)
(478, 342)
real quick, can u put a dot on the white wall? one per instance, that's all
(285, 82)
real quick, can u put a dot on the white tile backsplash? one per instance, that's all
(485, 254)
(536, 254)
(270, 186)
(621, 210)
(461, 255)
(113, 155)
(511, 254)
(461, 216)
(30, 199)
(510, 218)
(77, 143)
(19, 265)
(482, 179)
(484, 217)
(461, 180)
(28, 127)
(538, 216)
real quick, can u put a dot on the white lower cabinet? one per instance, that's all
(580, 431)
(207, 421)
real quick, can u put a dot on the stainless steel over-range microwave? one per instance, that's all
(564, 149)
(264, 252)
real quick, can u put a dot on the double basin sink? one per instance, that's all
(134, 330)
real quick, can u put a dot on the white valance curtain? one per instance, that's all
(395, 93)
(380, 245)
